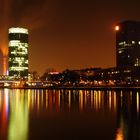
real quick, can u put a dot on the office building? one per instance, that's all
(128, 44)
(18, 52)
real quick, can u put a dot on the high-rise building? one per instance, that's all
(18, 52)
(128, 44)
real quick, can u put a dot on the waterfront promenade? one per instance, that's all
(40, 85)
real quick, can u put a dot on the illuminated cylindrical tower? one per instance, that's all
(18, 52)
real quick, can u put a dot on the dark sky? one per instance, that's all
(69, 34)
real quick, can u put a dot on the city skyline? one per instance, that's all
(67, 34)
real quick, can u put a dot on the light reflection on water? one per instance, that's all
(18, 118)
(19, 107)
(119, 135)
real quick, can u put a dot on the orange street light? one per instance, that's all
(117, 28)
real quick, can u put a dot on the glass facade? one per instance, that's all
(18, 52)
(128, 44)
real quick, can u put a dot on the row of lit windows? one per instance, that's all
(19, 52)
(19, 61)
(18, 64)
(18, 68)
(17, 43)
(18, 58)
(19, 49)
(18, 30)
(116, 72)
(129, 42)
(126, 45)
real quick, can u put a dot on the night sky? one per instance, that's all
(71, 34)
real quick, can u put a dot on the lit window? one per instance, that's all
(137, 62)
(121, 43)
(120, 52)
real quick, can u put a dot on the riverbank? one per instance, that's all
(77, 88)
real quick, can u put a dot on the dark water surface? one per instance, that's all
(69, 115)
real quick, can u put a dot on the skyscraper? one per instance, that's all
(128, 44)
(18, 52)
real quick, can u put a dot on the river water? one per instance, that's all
(69, 114)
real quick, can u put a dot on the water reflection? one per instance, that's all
(4, 110)
(128, 116)
(18, 119)
(18, 107)
(119, 135)
(73, 100)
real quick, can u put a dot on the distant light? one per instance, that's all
(7, 72)
(117, 28)
(53, 73)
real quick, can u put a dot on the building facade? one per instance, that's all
(18, 52)
(128, 44)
